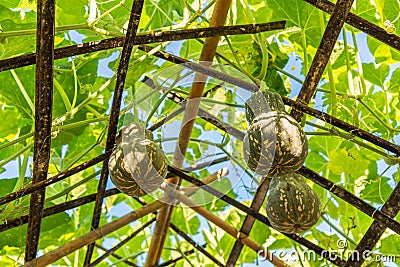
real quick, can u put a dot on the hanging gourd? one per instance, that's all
(137, 165)
(292, 206)
(274, 144)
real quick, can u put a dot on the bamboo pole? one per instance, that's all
(196, 92)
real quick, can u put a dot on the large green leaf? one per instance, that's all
(13, 21)
(16, 237)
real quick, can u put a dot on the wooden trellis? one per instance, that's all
(44, 60)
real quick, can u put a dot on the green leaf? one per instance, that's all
(186, 220)
(376, 75)
(366, 10)
(70, 12)
(10, 122)
(388, 10)
(11, 95)
(377, 190)
(14, 21)
(390, 246)
(260, 232)
(16, 237)
(382, 52)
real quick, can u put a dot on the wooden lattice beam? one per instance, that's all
(258, 216)
(43, 119)
(248, 222)
(15, 222)
(123, 65)
(56, 178)
(92, 236)
(74, 50)
(297, 105)
(392, 40)
(375, 231)
(324, 51)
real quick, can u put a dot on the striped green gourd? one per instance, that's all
(137, 165)
(274, 144)
(263, 102)
(292, 206)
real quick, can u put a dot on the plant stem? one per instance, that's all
(338, 230)
(387, 126)
(75, 84)
(10, 207)
(16, 154)
(23, 92)
(304, 44)
(63, 95)
(15, 141)
(359, 63)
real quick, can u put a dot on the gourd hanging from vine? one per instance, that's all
(292, 206)
(274, 144)
(137, 165)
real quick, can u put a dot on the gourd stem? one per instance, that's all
(338, 230)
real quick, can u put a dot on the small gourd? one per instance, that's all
(137, 165)
(263, 102)
(274, 144)
(292, 206)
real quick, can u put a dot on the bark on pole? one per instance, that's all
(43, 119)
(206, 57)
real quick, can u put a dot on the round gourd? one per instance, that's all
(137, 165)
(275, 144)
(263, 102)
(292, 206)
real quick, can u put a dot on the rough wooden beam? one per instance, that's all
(56, 178)
(321, 58)
(133, 25)
(110, 43)
(392, 40)
(249, 221)
(376, 230)
(43, 119)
